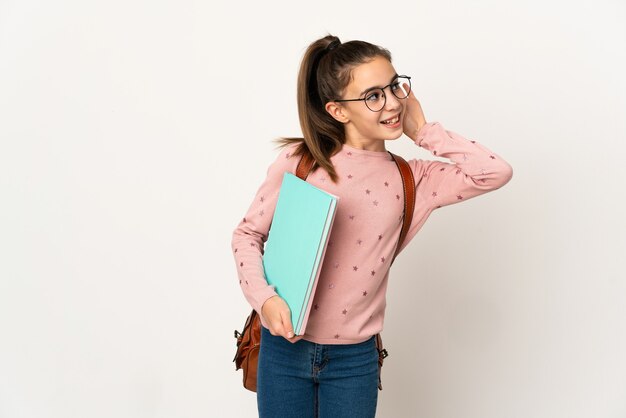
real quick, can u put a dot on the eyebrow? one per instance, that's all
(378, 87)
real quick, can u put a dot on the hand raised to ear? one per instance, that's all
(413, 116)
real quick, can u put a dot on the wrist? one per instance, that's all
(419, 133)
(267, 304)
(413, 134)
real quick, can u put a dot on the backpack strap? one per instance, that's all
(408, 186)
(304, 166)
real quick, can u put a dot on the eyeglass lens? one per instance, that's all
(375, 99)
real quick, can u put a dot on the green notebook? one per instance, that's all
(296, 244)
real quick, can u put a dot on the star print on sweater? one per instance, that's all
(367, 225)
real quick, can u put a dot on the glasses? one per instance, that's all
(375, 98)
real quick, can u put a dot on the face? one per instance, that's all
(364, 128)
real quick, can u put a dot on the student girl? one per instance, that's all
(351, 100)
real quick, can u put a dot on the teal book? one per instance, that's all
(296, 244)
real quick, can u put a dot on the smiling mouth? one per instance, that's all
(391, 121)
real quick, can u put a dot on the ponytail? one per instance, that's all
(324, 73)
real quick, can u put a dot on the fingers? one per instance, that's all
(278, 316)
(295, 339)
(287, 326)
(406, 88)
(411, 94)
(414, 117)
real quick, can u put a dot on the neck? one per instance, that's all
(366, 144)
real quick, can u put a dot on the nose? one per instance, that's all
(391, 101)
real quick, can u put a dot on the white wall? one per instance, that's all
(133, 137)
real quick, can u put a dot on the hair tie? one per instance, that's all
(312, 84)
(334, 44)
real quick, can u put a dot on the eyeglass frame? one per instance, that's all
(384, 95)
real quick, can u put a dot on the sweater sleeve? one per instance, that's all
(473, 170)
(251, 233)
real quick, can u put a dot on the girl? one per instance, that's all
(350, 101)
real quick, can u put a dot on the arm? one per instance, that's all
(473, 169)
(248, 241)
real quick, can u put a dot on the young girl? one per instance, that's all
(350, 101)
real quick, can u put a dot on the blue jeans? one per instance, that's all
(308, 380)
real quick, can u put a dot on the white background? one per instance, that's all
(134, 135)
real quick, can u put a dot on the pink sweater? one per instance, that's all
(349, 304)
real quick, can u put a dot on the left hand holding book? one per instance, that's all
(278, 318)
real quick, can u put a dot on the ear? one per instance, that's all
(337, 111)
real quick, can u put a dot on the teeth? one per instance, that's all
(390, 121)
